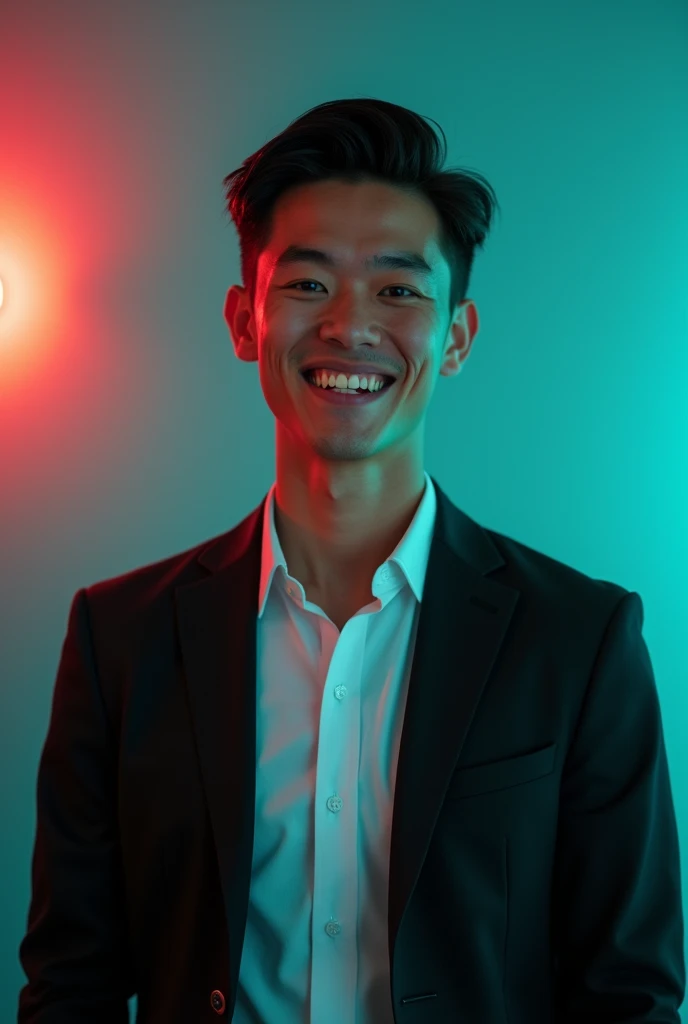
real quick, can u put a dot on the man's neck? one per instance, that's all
(334, 538)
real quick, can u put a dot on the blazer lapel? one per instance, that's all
(463, 621)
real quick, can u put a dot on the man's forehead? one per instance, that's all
(387, 259)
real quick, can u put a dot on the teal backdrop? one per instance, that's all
(130, 431)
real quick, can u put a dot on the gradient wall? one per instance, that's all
(129, 430)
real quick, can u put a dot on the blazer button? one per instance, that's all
(217, 1001)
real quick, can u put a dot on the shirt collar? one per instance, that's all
(410, 556)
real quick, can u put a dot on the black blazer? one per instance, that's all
(534, 870)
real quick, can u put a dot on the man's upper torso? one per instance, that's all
(429, 816)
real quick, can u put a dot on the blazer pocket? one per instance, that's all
(502, 774)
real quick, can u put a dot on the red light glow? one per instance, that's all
(34, 274)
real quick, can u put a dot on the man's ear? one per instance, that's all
(238, 316)
(464, 327)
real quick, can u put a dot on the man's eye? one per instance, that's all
(396, 287)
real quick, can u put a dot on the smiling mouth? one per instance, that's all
(347, 397)
(387, 382)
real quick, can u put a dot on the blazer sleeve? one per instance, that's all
(617, 912)
(74, 953)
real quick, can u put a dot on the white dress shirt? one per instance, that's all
(329, 714)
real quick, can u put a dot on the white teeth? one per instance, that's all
(340, 382)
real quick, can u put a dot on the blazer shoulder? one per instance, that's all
(532, 570)
(167, 573)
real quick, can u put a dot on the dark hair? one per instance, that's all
(356, 140)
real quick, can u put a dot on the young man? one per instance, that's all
(358, 758)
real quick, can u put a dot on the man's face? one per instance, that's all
(396, 318)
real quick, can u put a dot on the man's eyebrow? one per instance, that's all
(401, 259)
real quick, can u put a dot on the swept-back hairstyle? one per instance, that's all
(357, 140)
